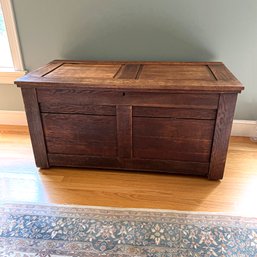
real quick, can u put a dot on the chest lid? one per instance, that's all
(153, 76)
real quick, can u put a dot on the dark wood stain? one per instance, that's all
(77, 109)
(35, 127)
(170, 117)
(221, 135)
(124, 97)
(124, 131)
(178, 113)
(77, 134)
(173, 128)
(171, 149)
(128, 71)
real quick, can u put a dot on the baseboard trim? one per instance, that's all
(243, 128)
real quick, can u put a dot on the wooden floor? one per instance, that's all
(21, 181)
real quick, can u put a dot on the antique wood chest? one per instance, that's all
(149, 116)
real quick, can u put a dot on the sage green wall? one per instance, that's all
(181, 30)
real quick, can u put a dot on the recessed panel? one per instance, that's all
(91, 135)
(83, 71)
(176, 72)
(172, 139)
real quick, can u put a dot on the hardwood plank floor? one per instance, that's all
(21, 181)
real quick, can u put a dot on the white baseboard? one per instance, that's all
(13, 118)
(243, 128)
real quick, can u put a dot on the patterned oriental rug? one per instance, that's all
(55, 230)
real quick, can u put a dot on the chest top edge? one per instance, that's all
(206, 76)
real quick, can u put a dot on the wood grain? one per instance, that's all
(80, 134)
(35, 127)
(221, 72)
(72, 160)
(173, 128)
(160, 148)
(178, 113)
(124, 131)
(169, 166)
(221, 135)
(130, 164)
(77, 109)
(128, 71)
(42, 71)
(153, 76)
(114, 97)
(81, 71)
(176, 72)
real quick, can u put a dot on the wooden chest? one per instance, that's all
(151, 116)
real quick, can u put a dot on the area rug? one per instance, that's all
(58, 230)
